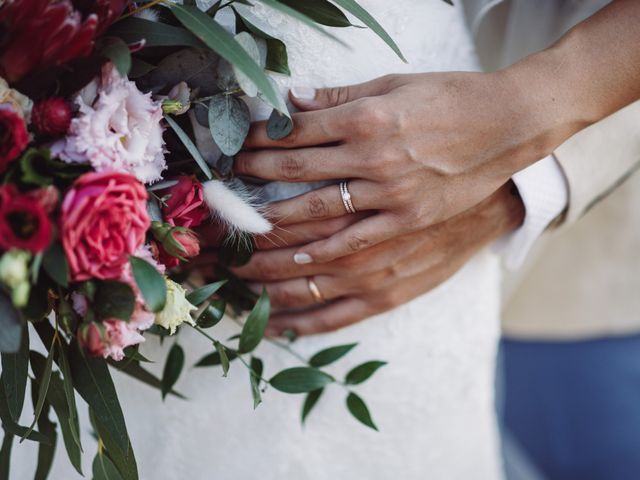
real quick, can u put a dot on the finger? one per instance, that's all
(324, 203)
(296, 293)
(303, 233)
(276, 265)
(323, 319)
(364, 234)
(306, 98)
(297, 165)
(309, 129)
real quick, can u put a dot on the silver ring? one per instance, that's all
(346, 197)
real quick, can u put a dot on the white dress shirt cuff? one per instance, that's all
(545, 194)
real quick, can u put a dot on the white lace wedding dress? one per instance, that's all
(433, 402)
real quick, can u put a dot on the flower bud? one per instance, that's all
(14, 268)
(51, 117)
(20, 294)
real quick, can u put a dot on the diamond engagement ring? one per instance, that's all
(346, 197)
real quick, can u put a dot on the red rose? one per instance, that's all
(24, 221)
(185, 207)
(104, 220)
(13, 136)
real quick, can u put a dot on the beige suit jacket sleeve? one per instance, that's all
(597, 159)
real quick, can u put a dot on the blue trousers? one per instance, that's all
(574, 407)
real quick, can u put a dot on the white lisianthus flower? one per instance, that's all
(177, 310)
(118, 128)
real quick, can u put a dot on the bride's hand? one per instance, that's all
(417, 150)
(375, 280)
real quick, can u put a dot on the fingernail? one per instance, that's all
(302, 258)
(304, 93)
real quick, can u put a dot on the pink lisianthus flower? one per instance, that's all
(118, 129)
(110, 340)
(103, 221)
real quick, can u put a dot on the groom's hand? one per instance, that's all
(376, 279)
(417, 150)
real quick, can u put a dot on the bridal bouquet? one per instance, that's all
(109, 113)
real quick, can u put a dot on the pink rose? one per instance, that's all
(185, 207)
(104, 220)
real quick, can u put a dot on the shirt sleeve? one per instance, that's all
(545, 194)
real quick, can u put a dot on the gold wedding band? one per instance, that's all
(315, 291)
(346, 197)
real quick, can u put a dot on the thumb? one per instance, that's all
(307, 98)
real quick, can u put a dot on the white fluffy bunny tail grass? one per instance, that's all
(234, 204)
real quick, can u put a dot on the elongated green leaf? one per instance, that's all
(320, 11)
(114, 300)
(15, 369)
(193, 150)
(357, 11)
(202, 294)
(70, 397)
(278, 125)
(300, 380)
(117, 51)
(45, 452)
(254, 327)
(212, 315)
(363, 372)
(359, 410)
(5, 455)
(224, 360)
(229, 122)
(172, 368)
(11, 427)
(213, 359)
(223, 43)
(125, 460)
(43, 387)
(11, 325)
(277, 56)
(248, 43)
(155, 34)
(255, 375)
(330, 355)
(93, 382)
(151, 284)
(104, 469)
(133, 369)
(55, 264)
(310, 401)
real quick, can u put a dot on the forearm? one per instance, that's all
(593, 71)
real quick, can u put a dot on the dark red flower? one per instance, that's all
(185, 206)
(44, 33)
(13, 136)
(24, 221)
(178, 244)
(51, 116)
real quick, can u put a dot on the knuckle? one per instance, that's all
(242, 163)
(291, 168)
(389, 299)
(337, 96)
(316, 206)
(357, 242)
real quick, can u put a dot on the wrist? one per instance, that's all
(505, 209)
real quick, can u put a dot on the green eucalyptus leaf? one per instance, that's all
(223, 43)
(213, 359)
(330, 355)
(190, 146)
(200, 295)
(151, 284)
(363, 372)
(279, 126)
(357, 11)
(212, 314)
(104, 469)
(250, 46)
(255, 377)
(70, 397)
(172, 368)
(11, 326)
(114, 300)
(11, 427)
(300, 380)
(133, 369)
(154, 34)
(5, 455)
(229, 122)
(55, 264)
(277, 56)
(43, 387)
(310, 401)
(359, 410)
(320, 11)
(124, 460)
(224, 360)
(93, 382)
(255, 325)
(117, 51)
(46, 452)
(15, 369)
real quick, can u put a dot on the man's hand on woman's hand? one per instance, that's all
(377, 279)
